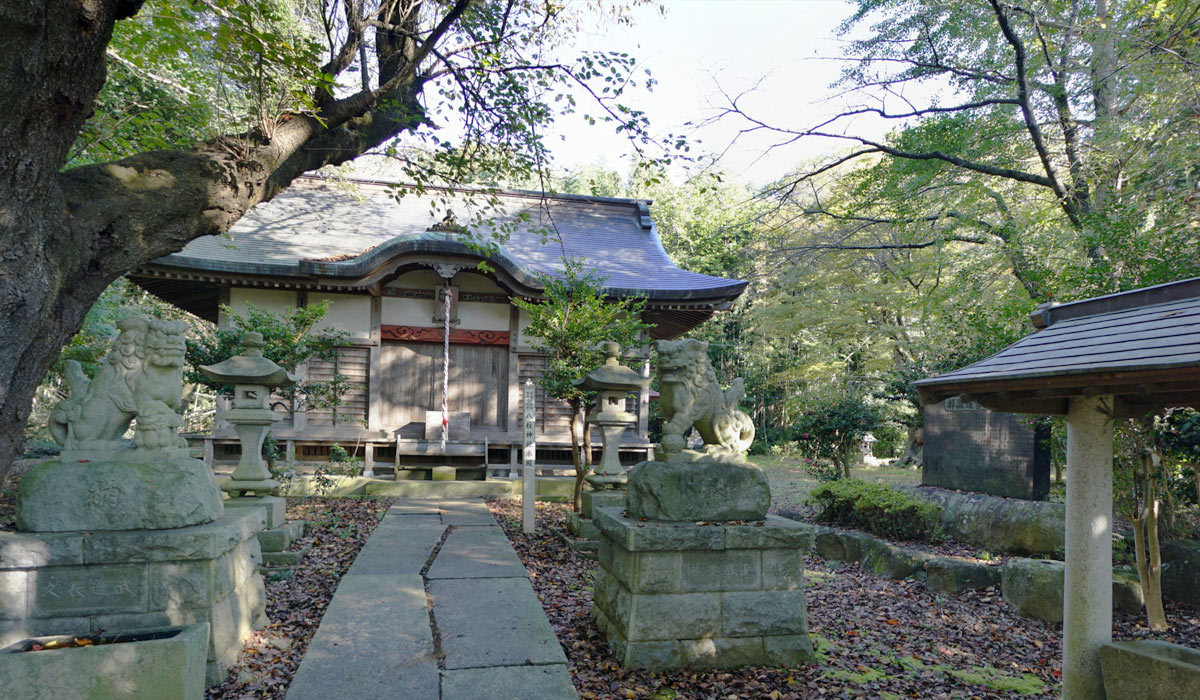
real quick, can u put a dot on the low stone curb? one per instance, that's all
(1033, 587)
(874, 554)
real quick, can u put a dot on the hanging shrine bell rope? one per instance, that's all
(446, 366)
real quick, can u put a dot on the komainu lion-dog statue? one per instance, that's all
(140, 378)
(690, 396)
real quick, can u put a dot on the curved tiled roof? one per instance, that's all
(318, 229)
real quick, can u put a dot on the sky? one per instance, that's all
(774, 51)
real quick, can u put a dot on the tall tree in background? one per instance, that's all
(1057, 134)
(1036, 151)
(271, 89)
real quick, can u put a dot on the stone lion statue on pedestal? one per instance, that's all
(140, 379)
(690, 396)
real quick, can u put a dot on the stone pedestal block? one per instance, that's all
(702, 488)
(581, 527)
(580, 524)
(143, 490)
(608, 498)
(671, 595)
(272, 507)
(90, 582)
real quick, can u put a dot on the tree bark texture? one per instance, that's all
(577, 459)
(1148, 560)
(65, 235)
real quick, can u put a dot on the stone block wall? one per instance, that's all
(90, 582)
(719, 595)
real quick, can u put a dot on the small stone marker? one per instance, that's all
(528, 457)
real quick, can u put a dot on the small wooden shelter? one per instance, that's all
(391, 266)
(1120, 355)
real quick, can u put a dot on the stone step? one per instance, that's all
(440, 489)
(284, 559)
(280, 538)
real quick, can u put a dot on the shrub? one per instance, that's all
(876, 508)
(821, 469)
(833, 429)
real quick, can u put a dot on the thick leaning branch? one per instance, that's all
(1031, 123)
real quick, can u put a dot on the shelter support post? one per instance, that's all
(1087, 598)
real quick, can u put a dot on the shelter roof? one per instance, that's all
(1142, 346)
(347, 235)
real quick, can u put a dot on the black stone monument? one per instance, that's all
(970, 448)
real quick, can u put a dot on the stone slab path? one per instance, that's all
(437, 606)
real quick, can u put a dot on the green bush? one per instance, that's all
(821, 469)
(876, 508)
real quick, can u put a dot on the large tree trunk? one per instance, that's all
(914, 452)
(65, 235)
(52, 57)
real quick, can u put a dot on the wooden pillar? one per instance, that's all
(1087, 588)
(512, 424)
(208, 452)
(375, 371)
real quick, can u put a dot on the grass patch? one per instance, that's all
(1025, 684)
(866, 675)
(818, 576)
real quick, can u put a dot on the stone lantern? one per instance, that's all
(612, 382)
(253, 376)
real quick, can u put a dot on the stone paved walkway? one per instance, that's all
(485, 636)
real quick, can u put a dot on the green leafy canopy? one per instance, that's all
(571, 321)
(289, 338)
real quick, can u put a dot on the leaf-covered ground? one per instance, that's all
(338, 529)
(876, 638)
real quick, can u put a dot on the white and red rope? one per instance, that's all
(446, 370)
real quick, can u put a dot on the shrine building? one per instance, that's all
(385, 263)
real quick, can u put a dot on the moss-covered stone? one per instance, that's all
(1034, 587)
(955, 574)
(118, 495)
(999, 524)
(702, 490)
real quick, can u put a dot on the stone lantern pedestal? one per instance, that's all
(612, 382)
(251, 484)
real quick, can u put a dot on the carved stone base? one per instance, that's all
(671, 595)
(705, 488)
(86, 582)
(170, 492)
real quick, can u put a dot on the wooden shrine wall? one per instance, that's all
(354, 363)
(411, 383)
